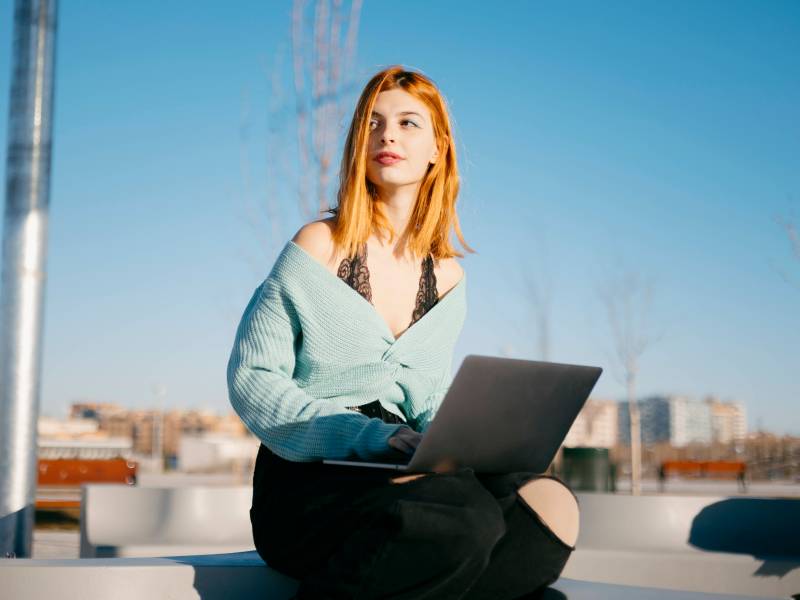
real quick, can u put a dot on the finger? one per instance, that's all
(413, 440)
(400, 444)
(406, 447)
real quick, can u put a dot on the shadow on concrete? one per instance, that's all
(766, 528)
(549, 594)
(237, 575)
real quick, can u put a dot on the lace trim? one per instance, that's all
(427, 295)
(355, 273)
(375, 410)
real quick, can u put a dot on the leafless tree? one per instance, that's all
(627, 299)
(792, 232)
(304, 114)
(539, 289)
(535, 283)
(322, 54)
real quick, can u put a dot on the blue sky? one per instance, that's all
(660, 138)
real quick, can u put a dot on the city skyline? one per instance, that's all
(590, 406)
(591, 141)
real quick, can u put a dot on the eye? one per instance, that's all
(374, 123)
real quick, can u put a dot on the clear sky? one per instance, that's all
(593, 139)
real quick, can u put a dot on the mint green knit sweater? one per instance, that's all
(309, 345)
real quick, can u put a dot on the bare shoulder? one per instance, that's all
(316, 239)
(448, 273)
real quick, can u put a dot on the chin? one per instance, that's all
(385, 181)
(392, 180)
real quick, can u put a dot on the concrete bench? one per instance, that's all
(125, 521)
(737, 545)
(740, 545)
(236, 576)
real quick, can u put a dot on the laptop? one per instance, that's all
(500, 415)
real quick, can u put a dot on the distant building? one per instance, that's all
(595, 426)
(103, 430)
(209, 452)
(98, 448)
(728, 421)
(94, 410)
(48, 427)
(654, 417)
(677, 420)
(690, 421)
(79, 438)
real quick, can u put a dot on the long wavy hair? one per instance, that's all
(434, 213)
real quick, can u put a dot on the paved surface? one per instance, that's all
(185, 479)
(48, 543)
(771, 489)
(222, 577)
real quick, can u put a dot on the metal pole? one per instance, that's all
(23, 273)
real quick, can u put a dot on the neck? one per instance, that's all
(397, 204)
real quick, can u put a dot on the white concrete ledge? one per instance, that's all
(709, 571)
(699, 544)
(738, 545)
(227, 577)
(130, 521)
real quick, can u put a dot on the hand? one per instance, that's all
(405, 440)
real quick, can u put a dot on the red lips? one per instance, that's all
(387, 158)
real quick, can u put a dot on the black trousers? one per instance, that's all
(350, 532)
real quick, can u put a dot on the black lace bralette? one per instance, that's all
(355, 273)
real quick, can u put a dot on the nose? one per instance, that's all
(388, 134)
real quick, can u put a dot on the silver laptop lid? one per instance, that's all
(502, 415)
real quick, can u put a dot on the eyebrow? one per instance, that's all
(406, 112)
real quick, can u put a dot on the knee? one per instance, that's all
(465, 525)
(555, 505)
(481, 515)
(474, 534)
(483, 523)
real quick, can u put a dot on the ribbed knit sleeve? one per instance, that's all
(433, 403)
(289, 421)
(421, 415)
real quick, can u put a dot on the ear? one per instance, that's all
(435, 156)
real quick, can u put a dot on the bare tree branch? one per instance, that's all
(627, 299)
(541, 295)
(794, 239)
(302, 116)
(539, 289)
(791, 228)
(262, 209)
(534, 282)
(320, 105)
(305, 106)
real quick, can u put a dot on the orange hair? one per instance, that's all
(434, 212)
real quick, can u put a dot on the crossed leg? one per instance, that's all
(555, 505)
(550, 500)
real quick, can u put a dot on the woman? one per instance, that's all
(327, 365)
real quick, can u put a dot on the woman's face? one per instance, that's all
(400, 124)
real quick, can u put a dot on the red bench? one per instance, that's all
(705, 469)
(59, 480)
